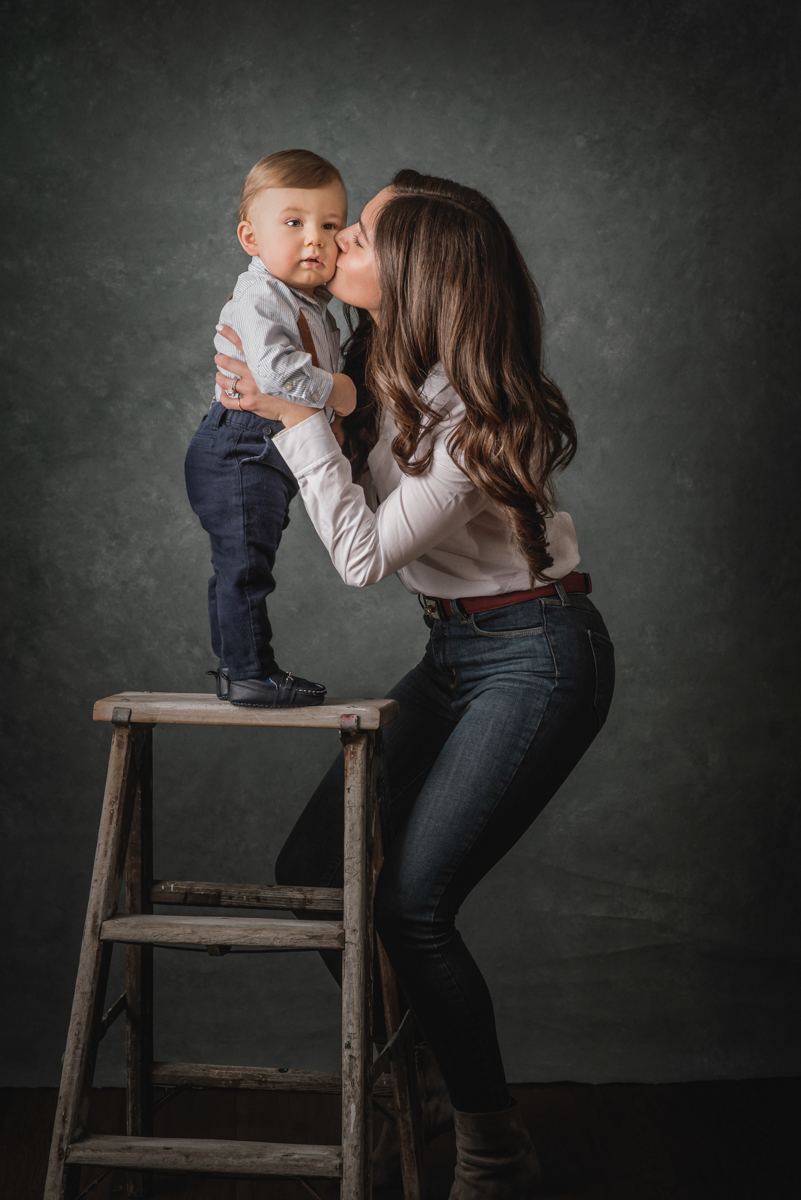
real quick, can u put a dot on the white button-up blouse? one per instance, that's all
(436, 530)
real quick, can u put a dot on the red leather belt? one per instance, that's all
(576, 581)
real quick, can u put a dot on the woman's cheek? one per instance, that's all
(363, 283)
(341, 286)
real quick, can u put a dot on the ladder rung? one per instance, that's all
(225, 931)
(206, 1154)
(245, 895)
(280, 1079)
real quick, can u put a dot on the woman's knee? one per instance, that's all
(404, 912)
(389, 914)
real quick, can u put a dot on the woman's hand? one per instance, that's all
(337, 430)
(252, 400)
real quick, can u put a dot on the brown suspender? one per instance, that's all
(306, 338)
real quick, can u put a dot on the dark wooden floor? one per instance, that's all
(697, 1141)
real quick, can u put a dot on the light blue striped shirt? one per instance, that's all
(264, 312)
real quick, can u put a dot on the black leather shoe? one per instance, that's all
(221, 676)
(279, 690)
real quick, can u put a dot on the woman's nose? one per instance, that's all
(341, 240)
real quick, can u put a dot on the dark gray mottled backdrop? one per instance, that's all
(643, 153)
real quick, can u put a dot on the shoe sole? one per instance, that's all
(250, 704)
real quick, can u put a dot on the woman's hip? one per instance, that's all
(488, 725)
(535, 649)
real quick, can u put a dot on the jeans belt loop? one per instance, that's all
(457, 609)
(216, 414)
(562, 594)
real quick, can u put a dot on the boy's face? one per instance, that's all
(293, 229)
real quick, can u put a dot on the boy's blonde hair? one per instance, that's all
(287, 169)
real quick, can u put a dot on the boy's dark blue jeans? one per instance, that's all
(240, 488)
(492, 721)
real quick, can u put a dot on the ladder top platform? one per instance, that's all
(202, 708)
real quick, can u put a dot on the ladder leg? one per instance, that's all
(408, 1110)
(139, 967)
(90, 987)
(357, 972)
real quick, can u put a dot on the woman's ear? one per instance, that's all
(247, 237)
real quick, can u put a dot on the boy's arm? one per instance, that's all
(342, 397)
(266, 324)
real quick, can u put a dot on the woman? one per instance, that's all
(517, 677)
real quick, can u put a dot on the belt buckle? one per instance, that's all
(432, 608)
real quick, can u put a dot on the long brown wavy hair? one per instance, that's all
(456, 290)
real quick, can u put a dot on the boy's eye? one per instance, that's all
(330, 225)
(294, 222)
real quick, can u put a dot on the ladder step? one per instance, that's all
(225, 931)
(206, 1154)
(279, 1079)
(245, 895)
(202, 708)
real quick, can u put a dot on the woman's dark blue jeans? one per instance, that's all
(492, 721)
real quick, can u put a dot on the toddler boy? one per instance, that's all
(293, 204)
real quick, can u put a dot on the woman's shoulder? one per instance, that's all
(448, 408)
(440, 394)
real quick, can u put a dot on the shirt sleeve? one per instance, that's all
(367, 546)
(270, 340)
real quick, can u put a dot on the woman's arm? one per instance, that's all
(422, 512)
(364, 546)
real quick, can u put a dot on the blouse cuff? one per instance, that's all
(307, 445)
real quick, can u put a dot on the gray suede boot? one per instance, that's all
(495, 1157)
(437, 1118)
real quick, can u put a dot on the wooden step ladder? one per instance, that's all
(125, 844)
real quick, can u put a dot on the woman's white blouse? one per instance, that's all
(437, 531)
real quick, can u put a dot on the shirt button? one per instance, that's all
(315, 395)
(290, 387)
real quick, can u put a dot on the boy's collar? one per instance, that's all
(321, 293)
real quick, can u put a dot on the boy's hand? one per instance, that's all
(342, 397)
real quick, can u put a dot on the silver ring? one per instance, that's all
(231, 391)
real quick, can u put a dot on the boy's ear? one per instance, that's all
(247, 237)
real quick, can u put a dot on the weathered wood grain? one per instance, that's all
(392, 1048)
(275, 1079)
(225, 931)
(139, 965)
(357, 977)
(281, 1159)
(93, 966)
(134, 714)
(110, 1016)
(201, 708)
(245, 895)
